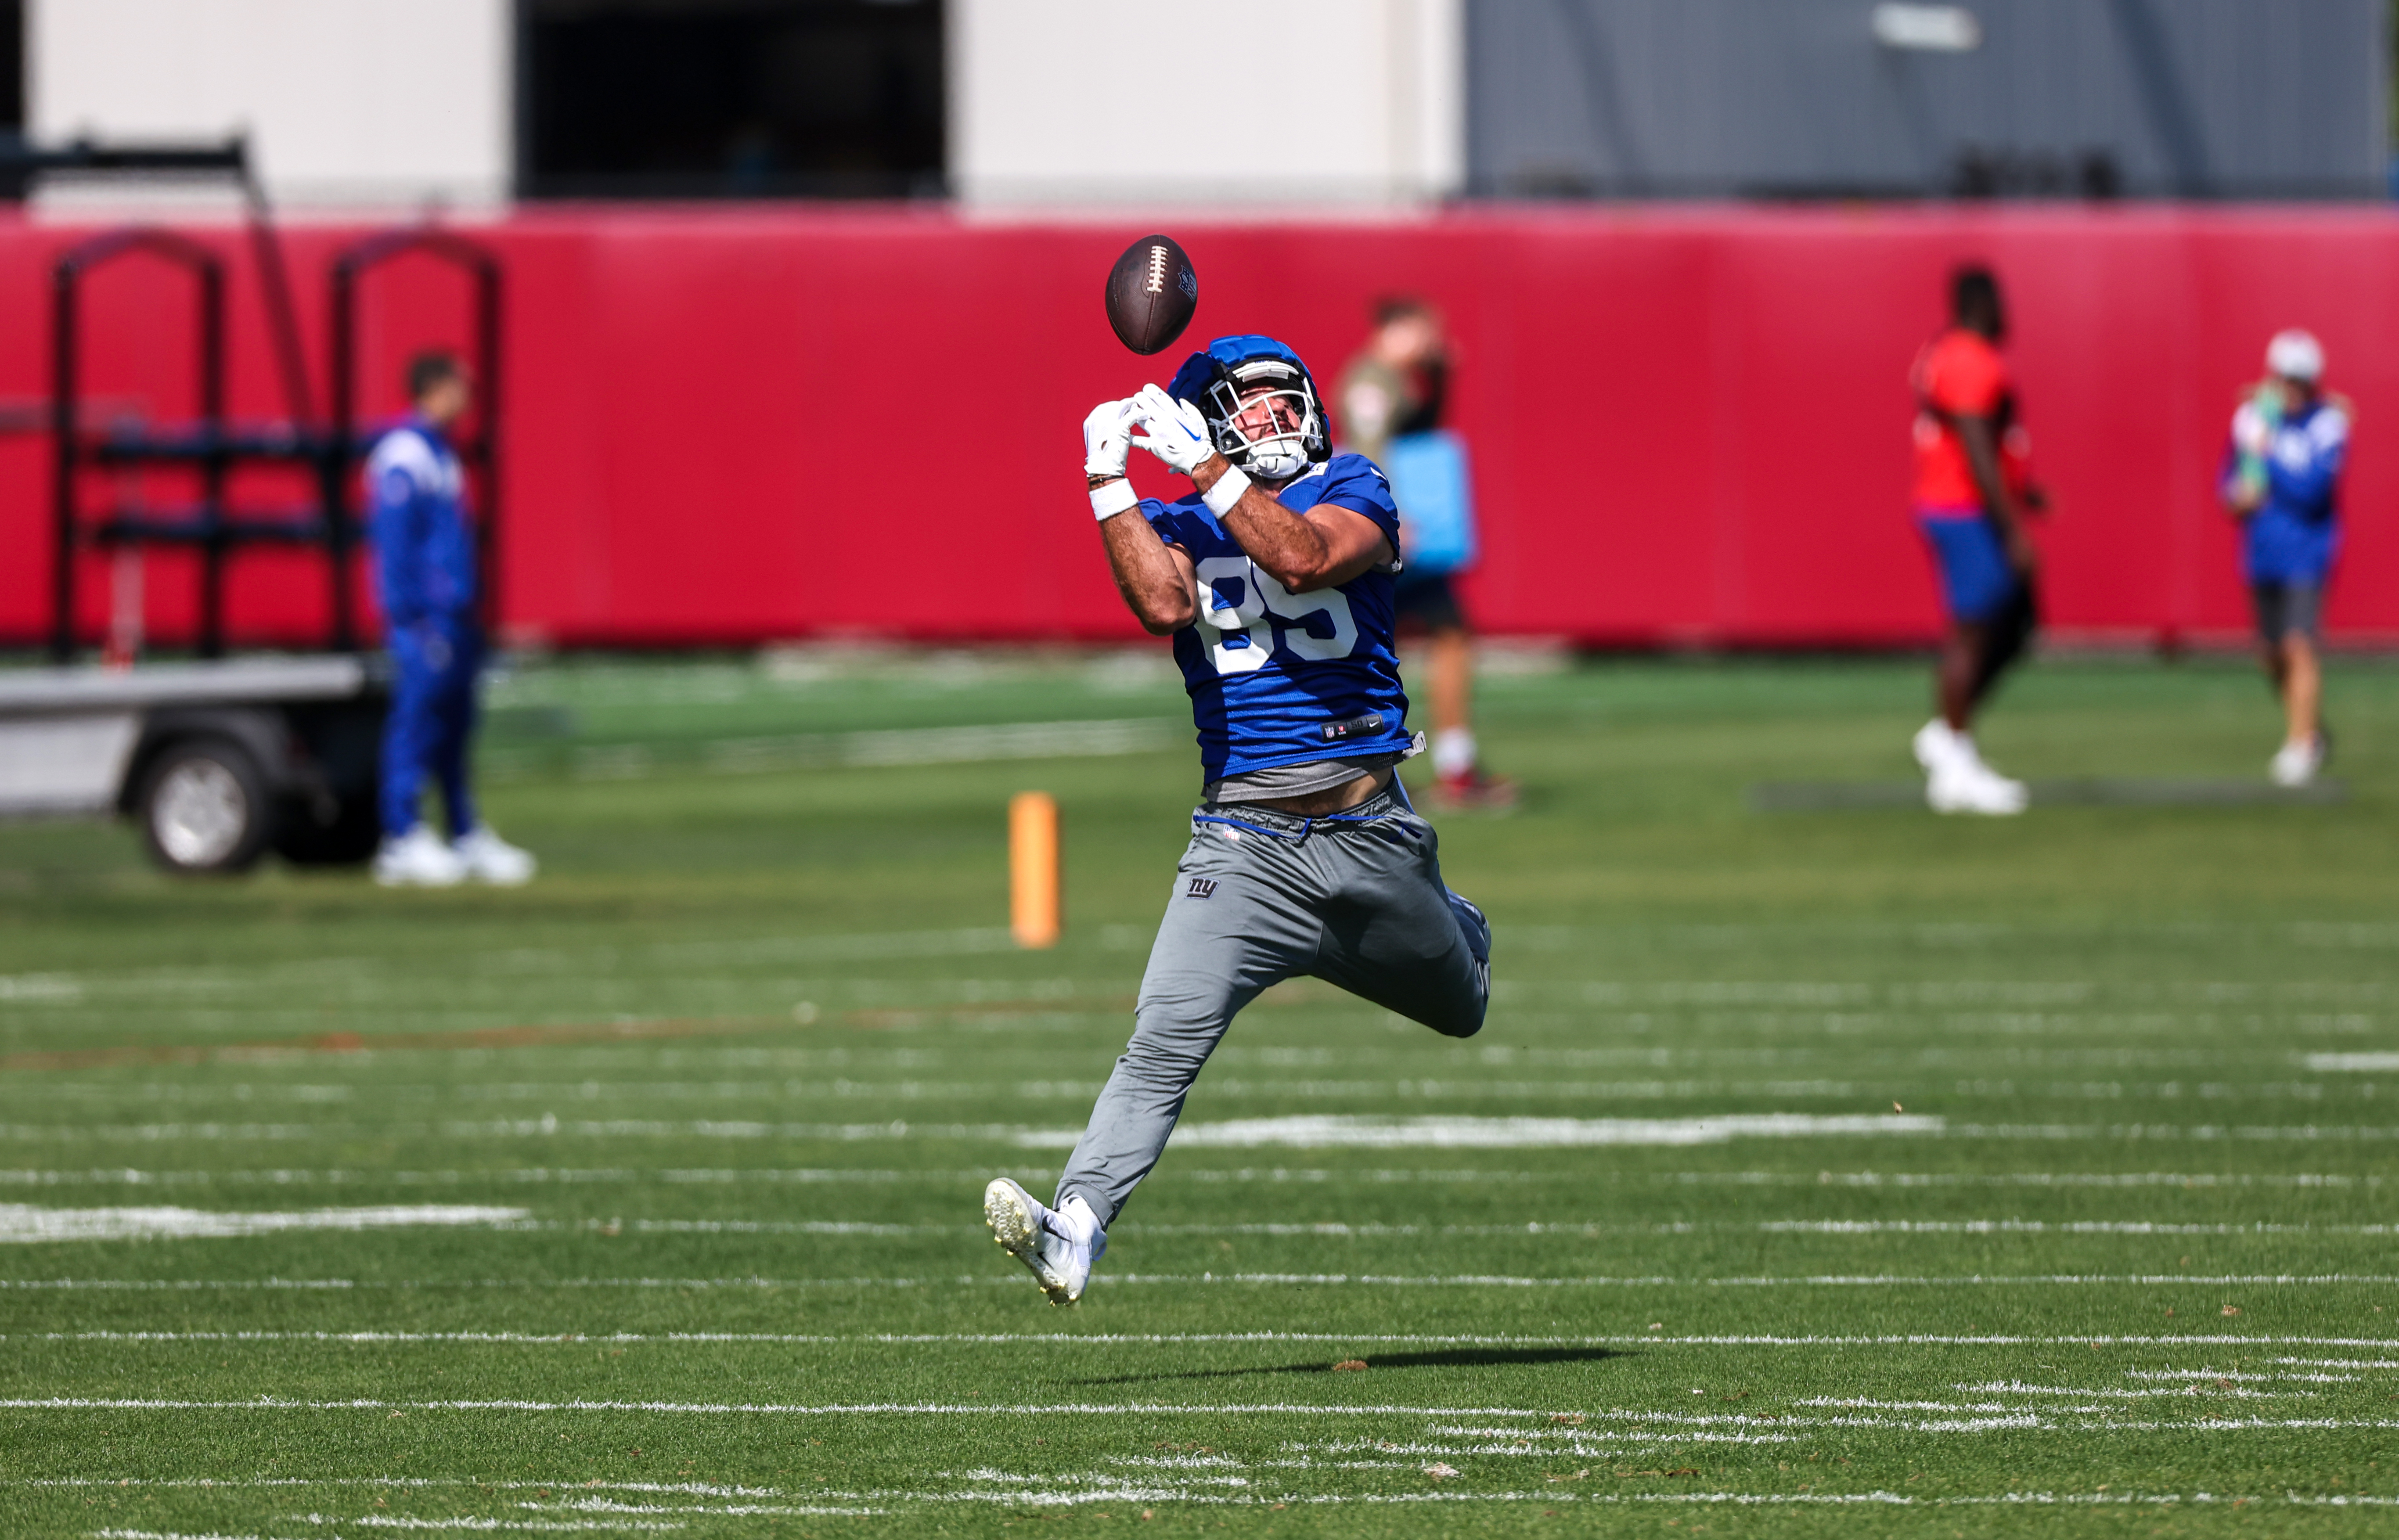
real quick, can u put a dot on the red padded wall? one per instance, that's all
(1688, 424)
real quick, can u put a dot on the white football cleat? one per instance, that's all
(1059, 1244)
(1973, 787)
(1936, 745)
(417, 858)
(489, 858)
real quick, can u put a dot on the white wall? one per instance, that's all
(347, 103)
(1279, 102)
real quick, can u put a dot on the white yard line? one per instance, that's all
(172, 1534)
(1874, 1280)
(518, 1175)
(695, 1488)
(1105, 1487)
(1504, 1133)
(508, 1526)
(25, 1224)
(1113, 1339)
(2049, 1227)
(1685, 1427)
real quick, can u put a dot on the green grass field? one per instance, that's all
(1935, 1176)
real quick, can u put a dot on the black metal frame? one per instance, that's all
(214, 446)
(69, 453)
(478, 455)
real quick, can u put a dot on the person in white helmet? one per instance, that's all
(2281, 480)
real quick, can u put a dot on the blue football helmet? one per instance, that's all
(1260, 403)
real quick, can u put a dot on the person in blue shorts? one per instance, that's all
(1974, 488)
(2281, 478)
(1274, 579)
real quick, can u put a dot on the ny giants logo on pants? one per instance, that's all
(1201, 887)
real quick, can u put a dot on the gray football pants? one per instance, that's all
(1261, 897)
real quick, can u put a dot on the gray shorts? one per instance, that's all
(2288, 607)
(1260, 896)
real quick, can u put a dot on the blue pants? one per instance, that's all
(435, 662)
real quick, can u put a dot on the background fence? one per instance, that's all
(1689, 424)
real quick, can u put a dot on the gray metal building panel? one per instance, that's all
(2149, 98)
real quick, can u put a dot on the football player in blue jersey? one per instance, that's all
(1274, 579)
(426, 584)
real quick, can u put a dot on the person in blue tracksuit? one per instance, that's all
(2281, 478)
(426, 583)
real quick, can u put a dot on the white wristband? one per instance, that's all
(1227, 490)
(1113, 499)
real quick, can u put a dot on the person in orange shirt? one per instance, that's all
(1974, 488)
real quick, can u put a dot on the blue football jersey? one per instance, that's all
(1277, 677)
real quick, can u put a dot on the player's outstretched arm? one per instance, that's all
(1321, 550)
(1158, 581)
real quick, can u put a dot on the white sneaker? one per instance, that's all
(1059, 1244)
(1937, 745)
(417, 858)
(487, 858)
(2296, 763)
(1970, 786)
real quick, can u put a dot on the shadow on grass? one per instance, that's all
(1447, 1357)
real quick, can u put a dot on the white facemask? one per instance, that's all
(1277, 459)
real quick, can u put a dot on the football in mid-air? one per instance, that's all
(1152, 292)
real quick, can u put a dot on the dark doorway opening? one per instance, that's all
(13, 68)
(730, 99)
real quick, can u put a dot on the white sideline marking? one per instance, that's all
(2017, 1388)
(1505, 1133)
(1552, 1495)
(530, 1175)
(169, 1535)
(2027, 1179)
(1764, 1426)
(39, 987)
(1325, 1279)
(2363, 1061)
(2059, 1227)
(695, 1488)
(832, 1175)
(1116, 1339)
(1572, 1229)
(393, 1521)
(22, 1224)
(271, 1403)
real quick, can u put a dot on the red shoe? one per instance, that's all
(1475, 790)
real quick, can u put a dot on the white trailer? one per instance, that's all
(216, 762)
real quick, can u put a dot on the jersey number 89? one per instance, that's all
(1238, 607)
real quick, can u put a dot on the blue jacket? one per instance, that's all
(2295, 532)
(416, 512)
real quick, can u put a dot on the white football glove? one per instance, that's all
(1178, 431)
(1107, 438)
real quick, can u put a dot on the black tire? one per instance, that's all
(351, 837)
(203, 806)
